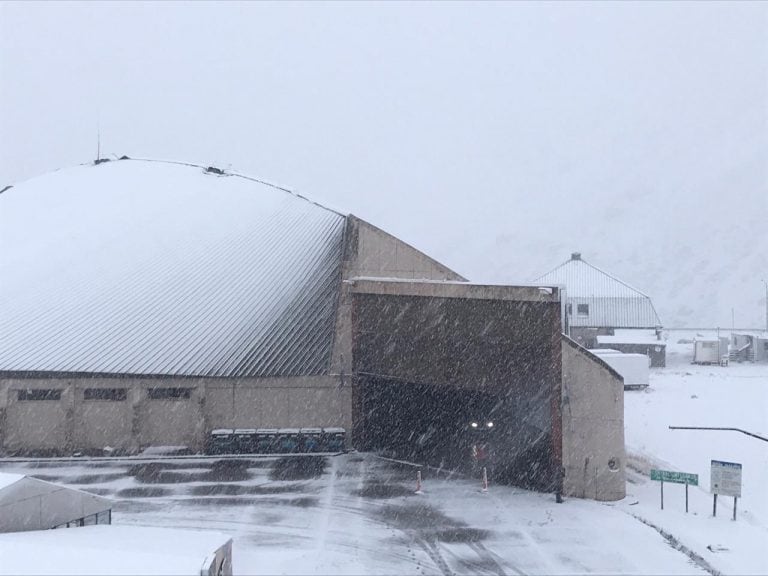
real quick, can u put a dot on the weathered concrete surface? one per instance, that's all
(76, 424)
(593, 426)
(430, 357)
(369, 251)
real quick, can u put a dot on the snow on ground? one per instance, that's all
(683, 394)
(357, 514)
(103, 550)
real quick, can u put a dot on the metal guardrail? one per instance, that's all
(763, 438)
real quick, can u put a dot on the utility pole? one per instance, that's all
(766, 305)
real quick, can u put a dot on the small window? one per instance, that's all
(708, 344)
(39, 394)
(582, 309)
(169, 393)
(109, 394)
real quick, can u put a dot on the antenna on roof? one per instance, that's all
(99, 159)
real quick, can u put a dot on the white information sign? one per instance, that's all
(725, 479)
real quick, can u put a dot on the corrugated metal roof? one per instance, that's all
(610, 302)
(139, 267)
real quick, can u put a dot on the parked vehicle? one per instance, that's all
(220, 441)
(334, 439)
(245, 441)
(288, 440)
(311, 439)
(266, 440)
(275, 440)
(478, 438)
(634, 368)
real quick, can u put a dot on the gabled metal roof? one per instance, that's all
(28, 503)
(610, 301)
(143, 267)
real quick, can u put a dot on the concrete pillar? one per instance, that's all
(68, 401)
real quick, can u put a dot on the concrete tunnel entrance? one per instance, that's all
(430, 359)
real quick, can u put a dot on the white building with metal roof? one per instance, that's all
(596, 299)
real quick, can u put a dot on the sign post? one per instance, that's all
(725, 479)
(676, 478)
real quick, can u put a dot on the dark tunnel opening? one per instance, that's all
(456, 429)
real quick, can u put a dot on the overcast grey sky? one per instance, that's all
(495, 137)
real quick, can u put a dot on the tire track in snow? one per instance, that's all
(439, 552)
(491, 558)
(680, 547)
(432, 548)
(327, 507)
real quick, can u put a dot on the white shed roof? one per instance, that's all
(27, 503)
(108, 550)
(144, 267)
(8, 479)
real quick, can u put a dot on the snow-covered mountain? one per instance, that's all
(697, 246)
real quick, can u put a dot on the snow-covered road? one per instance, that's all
(358, 514)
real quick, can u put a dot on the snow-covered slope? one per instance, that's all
(697, 246)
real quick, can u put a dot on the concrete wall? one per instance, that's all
(323, 401)
(45, 424)
(75, 424)
(371, 252)
(460, 352)
(491, 338)
(593, 426)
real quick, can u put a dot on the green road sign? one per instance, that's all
(676, 477)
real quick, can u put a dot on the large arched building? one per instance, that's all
(145, 303)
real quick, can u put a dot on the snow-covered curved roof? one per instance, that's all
(144, 267)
